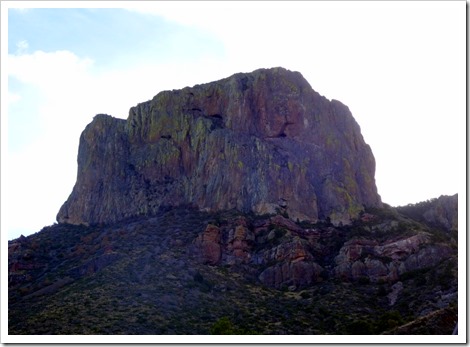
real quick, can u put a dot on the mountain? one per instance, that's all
(261, 142)
(243, 206)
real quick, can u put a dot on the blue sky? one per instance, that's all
(112, 37)
(399, 66)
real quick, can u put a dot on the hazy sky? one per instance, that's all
(399, 66)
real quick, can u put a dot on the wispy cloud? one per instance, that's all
(22, 47)
(13, 97)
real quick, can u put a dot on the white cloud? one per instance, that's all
(48, 70)
(22, 47)
(66, 88)
(41, 174)
(38, 179)
(13, 97)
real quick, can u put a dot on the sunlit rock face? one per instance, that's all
(263, 141)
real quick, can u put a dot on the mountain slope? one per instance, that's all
(160, 275)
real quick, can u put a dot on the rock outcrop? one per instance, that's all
(441, 212)
(209, 243)
(276, 245)
(263, 141)
(286, 255)
(363, 258)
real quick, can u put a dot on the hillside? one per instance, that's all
(184, 271)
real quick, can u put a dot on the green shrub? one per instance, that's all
(223, 326)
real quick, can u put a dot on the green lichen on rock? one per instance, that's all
(249, 140)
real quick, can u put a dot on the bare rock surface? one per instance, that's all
(441, 212)
(262, 141)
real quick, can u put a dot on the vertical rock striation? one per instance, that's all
(263, 141)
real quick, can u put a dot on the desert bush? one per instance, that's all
(223, 326)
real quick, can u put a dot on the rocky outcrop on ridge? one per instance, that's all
(362, 258)
(264, 142)
(441, 212)
(289, 256)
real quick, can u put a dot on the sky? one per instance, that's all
(400, 67)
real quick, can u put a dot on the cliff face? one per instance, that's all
(263, 142)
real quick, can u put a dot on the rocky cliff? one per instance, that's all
(441, 212)
(263, 141)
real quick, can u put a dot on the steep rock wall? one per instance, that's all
(263, 141)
